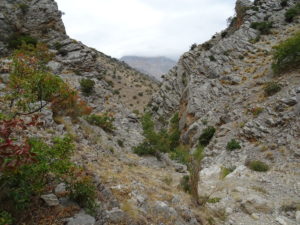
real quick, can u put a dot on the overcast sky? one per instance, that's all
(144, 27)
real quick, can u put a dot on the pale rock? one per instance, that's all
(298, 217)
(60, 189)
(256, 204)
(82, 219)
(115, 215)
(50, 199)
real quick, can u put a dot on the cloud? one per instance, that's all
(144, 27)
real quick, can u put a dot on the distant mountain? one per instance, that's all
(154, 66)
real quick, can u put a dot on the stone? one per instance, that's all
(298, 217)
(55, 67)
(163, 209)
(50, 199)
(82, 219)
(256, 204)
(115, 215)
(289, 101)
(281, 220)
(60, 189)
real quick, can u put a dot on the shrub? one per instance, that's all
(30, 179)
(31, 82)
(140, 94)
(212, 58)
(5, 218)
(214, 200)
(83, 192)
(104, 121)
(263, 27)
(24, 7)
(87, 86)
(258, 166)
(292, 13)
(155, 141)
(121, 143)
(225, 171)
(232, 145)
(206, 135)
(193, 46)
(185, 183)
(272, 88)
(256, 111)
(284, 3)
(224, 34)
(286, 54)
(180, 154)
(16, 40)
(174, 132)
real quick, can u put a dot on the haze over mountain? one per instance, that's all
(153, 66)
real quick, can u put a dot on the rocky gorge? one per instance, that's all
(221, 83)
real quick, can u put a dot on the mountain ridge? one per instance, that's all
(154, 66)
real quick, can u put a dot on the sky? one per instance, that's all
(144, 27)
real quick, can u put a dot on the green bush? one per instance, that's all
(292, 13)
(225, 171)
(31, 179)
(121, 143)
(263, 27)
(16, 40)
(286, 55)
(284, 3)
(207, 135)
(272, 88)
(104, 121)
(155, 141)
(193, 46)
(24, 7)
(5, 218)
(180, 154)
(212, 58)
(87, 86)
(174, 132)
(258, 166)
(214, 200)
(232, 145)
(83, 192)
(185, 183)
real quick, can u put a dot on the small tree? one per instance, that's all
(194, 167)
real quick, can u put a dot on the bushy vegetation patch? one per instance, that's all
(226, 171)
(16, 40)
(286, 55)
(272, 88)
(292, 13)
(105, 121)
(32, 86)
(158, 141)
(207, 135)
(87, 86)
(258, 166)
(83, 191)
(264, 27)
(232, 145)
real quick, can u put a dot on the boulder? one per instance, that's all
(82, 219)
(50, 199)
(256, 204)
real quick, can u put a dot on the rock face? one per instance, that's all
(221, 83)
(153, 66)
(37, 18)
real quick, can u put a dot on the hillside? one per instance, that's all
(153, 66)
(218, 143)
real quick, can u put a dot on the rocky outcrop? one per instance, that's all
(221, 83)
